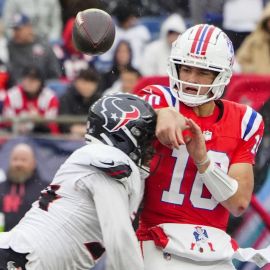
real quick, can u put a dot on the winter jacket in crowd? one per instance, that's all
(254, 53)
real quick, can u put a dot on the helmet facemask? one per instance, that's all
(143, 150)
(214, 92)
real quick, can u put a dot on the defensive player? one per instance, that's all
(89, 204)
(204, 173)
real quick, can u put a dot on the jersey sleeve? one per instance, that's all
(252, 129)
(158, 96)
(111, 202)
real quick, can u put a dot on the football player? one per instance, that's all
(205, 153)
(88, 207)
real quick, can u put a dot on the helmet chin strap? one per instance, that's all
(106, 139)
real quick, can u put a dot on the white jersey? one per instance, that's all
(82, 212)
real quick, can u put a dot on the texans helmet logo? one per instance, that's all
(120, 115)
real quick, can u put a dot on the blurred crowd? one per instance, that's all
(42, 75)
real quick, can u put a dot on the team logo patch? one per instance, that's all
(207, 135)
(121, 118)
(202, 242)
(167, 256)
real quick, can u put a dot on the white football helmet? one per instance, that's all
(203, 46)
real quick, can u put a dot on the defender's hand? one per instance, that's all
(170, 124)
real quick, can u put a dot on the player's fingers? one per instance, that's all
(194, 128)
(185, 125)
(171, 141)
(171, 136)
(187, 139)
(179, 137)
(166, 137)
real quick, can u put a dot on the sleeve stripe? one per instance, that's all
(250, 124)
(255, 126)
(171, 100)
(245, 120)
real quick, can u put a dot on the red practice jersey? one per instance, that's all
(174, 193)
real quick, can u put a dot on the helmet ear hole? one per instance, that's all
(135, 131)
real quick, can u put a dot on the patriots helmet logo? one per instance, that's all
(117, 116)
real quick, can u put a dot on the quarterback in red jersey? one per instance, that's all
(202, 170)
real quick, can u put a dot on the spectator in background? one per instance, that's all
(127, 28)
(31, 98)
(170, 6)
(240, 18)
(254, 53)
(25, 48)
(22, 186)
(45, 16)
(156, 53)
(4, 56)
(71, 7)
(129, 77)
(212, 14)
(4, 59)
(81, 94)
(121, 60)
(70, 58)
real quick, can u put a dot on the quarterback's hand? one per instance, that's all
(170, 124)
(195, 143)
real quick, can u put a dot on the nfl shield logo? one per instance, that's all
(207, 135)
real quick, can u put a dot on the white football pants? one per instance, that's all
(154, 259)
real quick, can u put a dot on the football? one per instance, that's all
(93, 31)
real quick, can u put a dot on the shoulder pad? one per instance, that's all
(105, 158)
(118, 171)
(158, 96)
